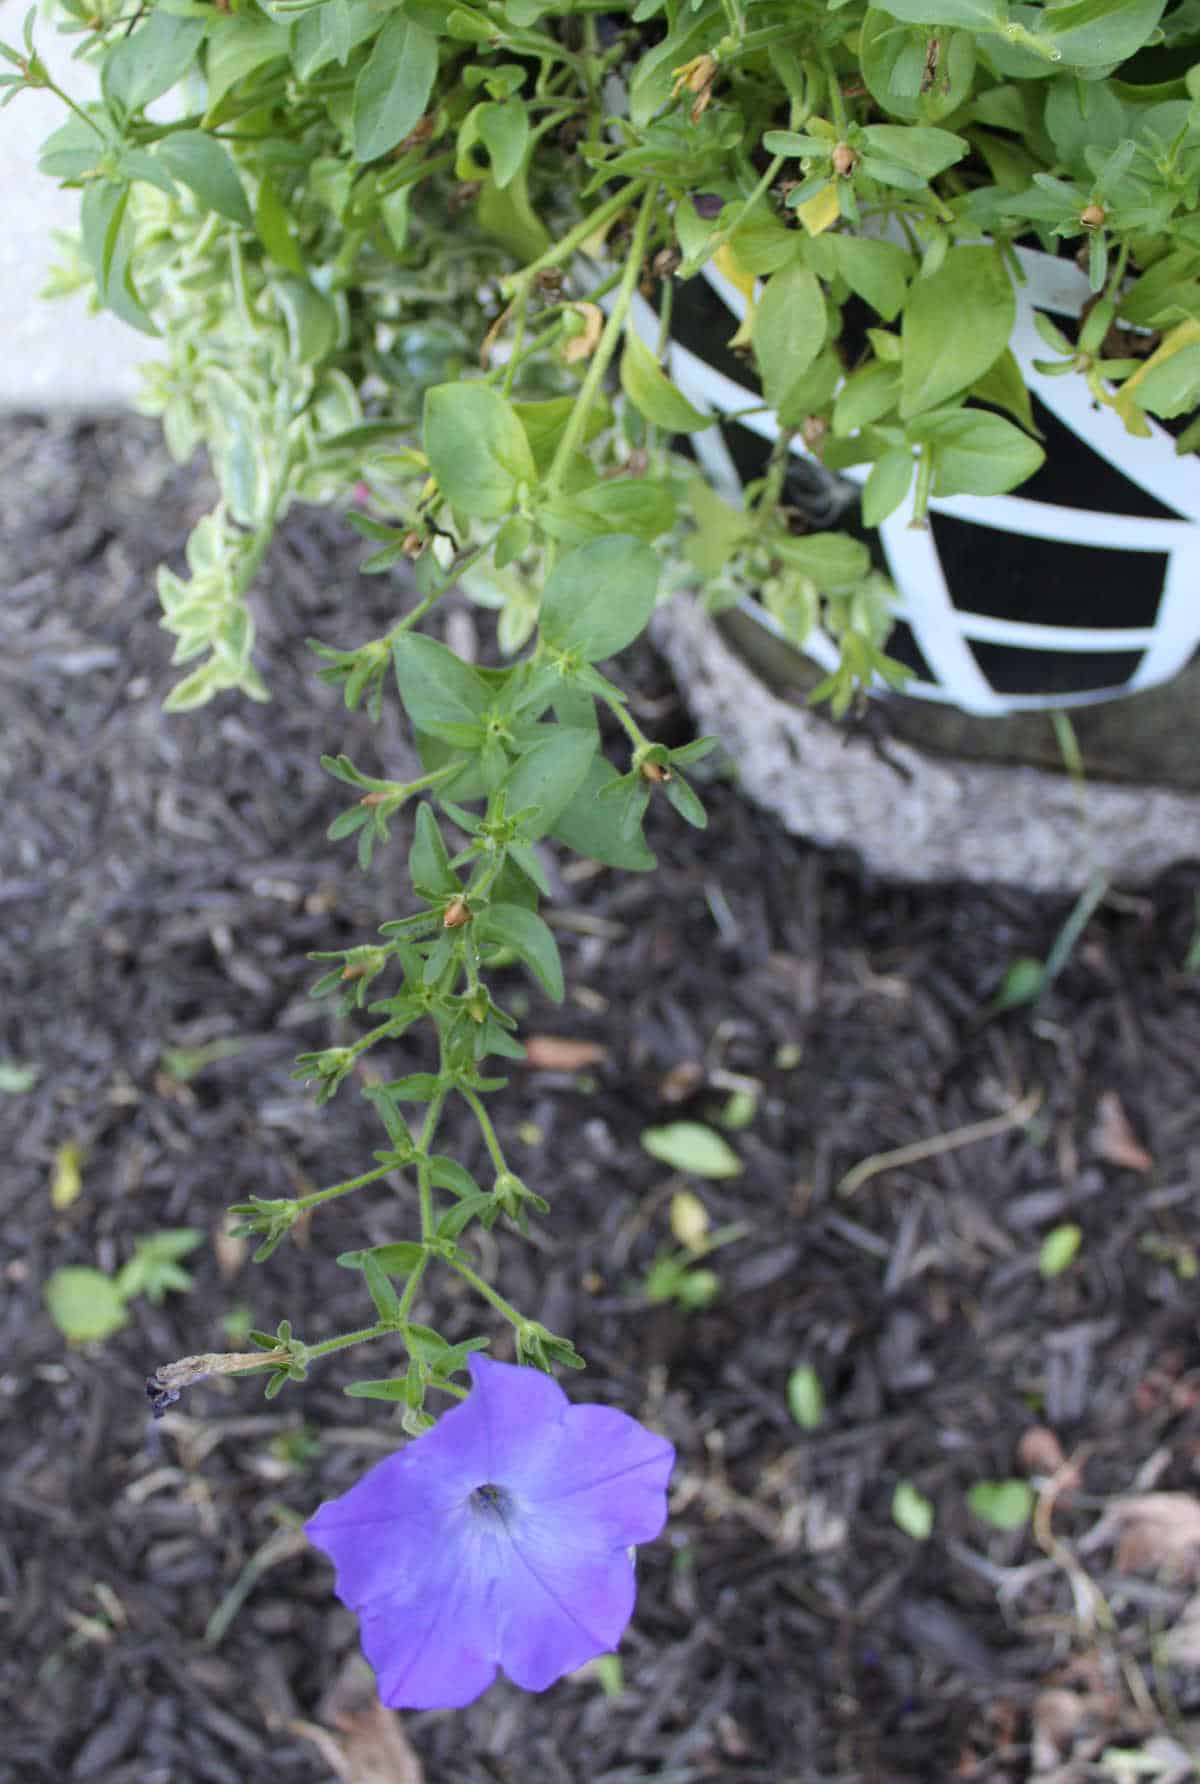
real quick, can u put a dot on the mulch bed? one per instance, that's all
(161, 882)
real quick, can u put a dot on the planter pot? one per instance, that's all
(1081, 586)
(1081, 591)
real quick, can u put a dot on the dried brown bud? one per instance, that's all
(353, 972)
(369, 799)
(665, 262)
(550, 280)
(1092, 216)
(456, 914)
(813, 430)
(413, 544)
(655, 771)
(844, 160)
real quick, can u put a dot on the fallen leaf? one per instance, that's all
(558, 1053)
(66, 1179)
(1113, 1139)
(370, 1746)
(1159, 1530)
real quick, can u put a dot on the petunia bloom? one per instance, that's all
(500, 1538)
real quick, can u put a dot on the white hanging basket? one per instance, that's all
(1016, 602)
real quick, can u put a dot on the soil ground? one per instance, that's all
(161, 881)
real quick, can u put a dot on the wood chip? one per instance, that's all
(559, 1053)
(1113, 1139)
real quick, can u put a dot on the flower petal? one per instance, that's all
(559, 1609)
(434, 1643)
(520, 1413)
(606, 1486)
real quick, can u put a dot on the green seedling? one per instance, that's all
(87, 1304)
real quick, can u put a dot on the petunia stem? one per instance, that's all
(489, 1293)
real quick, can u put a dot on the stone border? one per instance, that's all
(925, 818)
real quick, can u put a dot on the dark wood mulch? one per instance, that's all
(160, 884)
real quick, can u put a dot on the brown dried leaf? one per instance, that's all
(1113, 1139)
(583, 345)
(1159, 1530)
(558, 1053)
(371, 1746)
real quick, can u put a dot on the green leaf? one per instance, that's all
(867, 395)
(272, 224)
(148, 62)
(239, 45)
(16, 1079)
(204, 165)
(912, 1512)
(689, 1146)
(652, 393)
(1095, 33)
(1004, 388)
(1058, 1249)
(887, 485)
(477, 448)
(1005, 1504)
(788, 331)
(548, 776)
(623, 505)
(85, 1304)
(379, 1287)
(878, 272)
(394, 87)
(545, 423)
(443, 696)
(530, 937)
(592, 825)
(393, 1387)
(599, 597)
(917, 149)
(806, 1401)
(429, 866)
(1172, 387)
(972, 15)
(956, 324)
(310, 317)
(833, 560)
(976, 453)
(504, 132)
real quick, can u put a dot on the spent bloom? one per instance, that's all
(500, 1538)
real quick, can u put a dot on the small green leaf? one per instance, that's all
(392, 1387)
(204, 165)
(976, 453)
(1059, 1249)
(833, 560)
(85, 1304)
(652, 393)
(689, 1146)
(477, 448)
(399, 1259)
(429, 866)
(16, 1079)
(504, 132)
(530, 937)
(805, 1398)
(548, 776)
(957, 322)
(394, 86)
(599, 597)
(887, 485)
(147, 62)
(442, 695)
(593, 826)
(912, 1512)
(789, 330)
(1005, 1504)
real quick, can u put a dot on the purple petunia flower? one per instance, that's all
(499, 1538)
